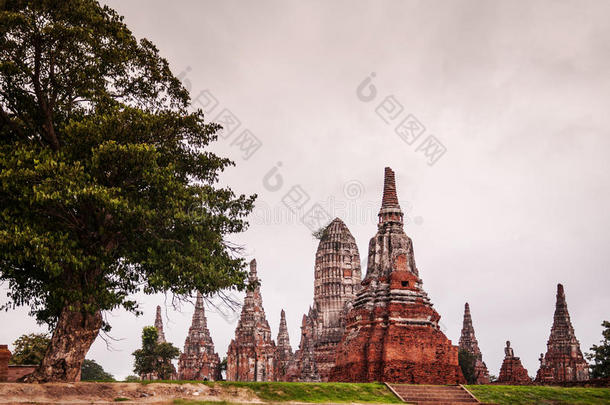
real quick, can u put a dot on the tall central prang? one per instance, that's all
(392, 331)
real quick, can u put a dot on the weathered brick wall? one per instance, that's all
(5, 356)
(16, 372)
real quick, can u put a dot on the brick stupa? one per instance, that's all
(512, 371)
(251, 355)
(392, 331)
(304, 367)
(337, 279)
(563, 361)
(284, 355)
(468, 342)
(199, 361)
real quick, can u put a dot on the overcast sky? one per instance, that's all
(515, 93)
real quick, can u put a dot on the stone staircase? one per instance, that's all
(433, 394)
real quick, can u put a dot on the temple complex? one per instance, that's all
(251, 355)
(392, 332)
(284, 350)
(469, 342)
(563, 361)
(337, 279)
(199, 361)
(512, 371)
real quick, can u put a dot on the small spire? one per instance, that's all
(199, 314)
(253, 268)
(159, 326)
(390, 199)
(390, 209)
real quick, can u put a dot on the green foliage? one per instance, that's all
(30, 349)
(522, 395)
(91, 371)
(320, 233)
(106, 184)
(132, 378)
(600, 354)
(223, 364)
(154, 358)
(121, 399)
(467, 362)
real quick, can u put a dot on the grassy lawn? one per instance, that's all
(319, 392)
(510, 394)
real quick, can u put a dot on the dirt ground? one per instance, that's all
(97, 393)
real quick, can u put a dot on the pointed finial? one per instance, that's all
(283, 314)
(253, 268)
(390, 209)
(560, 289)
(199, 301)
(466, 308)
(390, 199)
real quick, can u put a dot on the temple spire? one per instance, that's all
(253, 274)
(468, 342)
(159, 326)
(199, 318)
(390, 208)
(563, 360)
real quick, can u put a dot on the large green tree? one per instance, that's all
(467, 362)
(106, 184)
(91, 371)
(154, 358)
(600, 354)
(30, 349)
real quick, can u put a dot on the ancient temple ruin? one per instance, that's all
(304, 367)
(563, 361)
(337, 279)
(392, 331)
(512, 371)
(199, 361)
(251, 355)
(468, 342)
(283, 352)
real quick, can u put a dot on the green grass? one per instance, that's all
(121, 399)
(521, 395)
(308, 392)
(319, 392)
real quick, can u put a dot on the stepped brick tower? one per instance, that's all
(469, 342)
(251, 355)
(284, 351)
(337, 279)
(199, 361)
(304, 368)
(512, 371)
(159, 326)
(392, 331)
(563, 361)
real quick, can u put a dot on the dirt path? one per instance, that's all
(97, 393)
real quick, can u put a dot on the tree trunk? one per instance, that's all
(72, 338)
